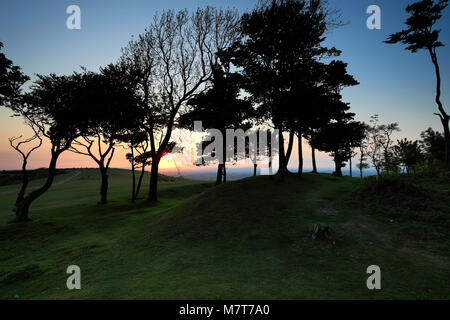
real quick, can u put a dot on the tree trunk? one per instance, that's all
(361, 160)
(224, 173)
(255, 165)
(443, 115)
(300, 155)
(281, 155)
(219, 174)
(350, 164)
(133, 176)
(289, 149)
(21, 209)
(445, 121)
(138, 188)
(284, 157)
(313, 152)
(378, 175)
(24, 186)
(338, 166)
(153, 190)
(104, 186)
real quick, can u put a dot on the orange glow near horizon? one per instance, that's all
(11, 160)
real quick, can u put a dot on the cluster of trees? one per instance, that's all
(266, 68)
(379, 150)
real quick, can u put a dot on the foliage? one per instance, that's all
(433, 144)
(11, 81)
(277, 53)
(338, 138)
(408, 153)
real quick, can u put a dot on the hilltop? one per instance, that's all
(246, 239)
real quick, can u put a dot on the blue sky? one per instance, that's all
(396, 84)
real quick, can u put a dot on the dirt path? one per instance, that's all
(70, 178)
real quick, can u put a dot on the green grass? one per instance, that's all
(248, 239)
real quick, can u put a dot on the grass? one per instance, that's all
(248, 239)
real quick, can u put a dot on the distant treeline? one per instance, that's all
(16, 176)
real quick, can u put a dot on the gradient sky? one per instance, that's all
(396, 84)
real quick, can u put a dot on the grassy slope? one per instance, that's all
(248, 239)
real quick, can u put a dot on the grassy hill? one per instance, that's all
(248, 239)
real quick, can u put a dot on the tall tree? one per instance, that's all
(175, 56)
(323, 100)
(421, 34)
(279, 41)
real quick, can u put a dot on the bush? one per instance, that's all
(423, 198)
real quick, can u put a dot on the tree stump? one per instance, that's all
(321, 231)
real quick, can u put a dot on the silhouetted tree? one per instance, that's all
(379, 146)
(421, 34)
(324, 101)
(17, 143)
(433, 144)
(139, 157)
(280, 39)
(11, 96)
(375, 149)
(387, 130)
(114, 110)
(220, 108)
(408, 154)
(11, 82)
(55, 106)
(175, 56)
(363, 150)
(337, 138)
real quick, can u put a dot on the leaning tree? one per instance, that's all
(11, 96)
(25, 147)
(55, 106)
(421, 34)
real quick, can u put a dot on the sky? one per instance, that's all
(394, 83)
